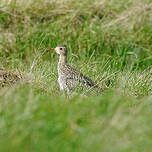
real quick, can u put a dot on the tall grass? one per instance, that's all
(110, 41)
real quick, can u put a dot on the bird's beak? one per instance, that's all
(51, 50)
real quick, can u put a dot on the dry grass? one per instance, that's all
(108, 40)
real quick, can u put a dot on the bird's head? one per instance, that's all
(61, 50)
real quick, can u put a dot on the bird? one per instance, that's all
(8, 78)
(70, 78)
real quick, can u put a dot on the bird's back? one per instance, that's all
(71, 78)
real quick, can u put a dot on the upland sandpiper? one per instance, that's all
(68, 77)
(8, 78)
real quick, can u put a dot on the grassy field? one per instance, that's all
(108, 40)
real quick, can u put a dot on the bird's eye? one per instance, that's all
(60, 48)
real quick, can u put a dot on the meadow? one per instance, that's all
(108, 40)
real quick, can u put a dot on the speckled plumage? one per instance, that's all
(68, 77)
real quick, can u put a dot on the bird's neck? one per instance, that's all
(62, 60)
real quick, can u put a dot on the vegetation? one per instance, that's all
(108, 40)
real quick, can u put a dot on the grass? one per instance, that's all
(111, 42)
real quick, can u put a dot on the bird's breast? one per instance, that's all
(62, 82)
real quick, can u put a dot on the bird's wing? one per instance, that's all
(78, 77)
(75, 78)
